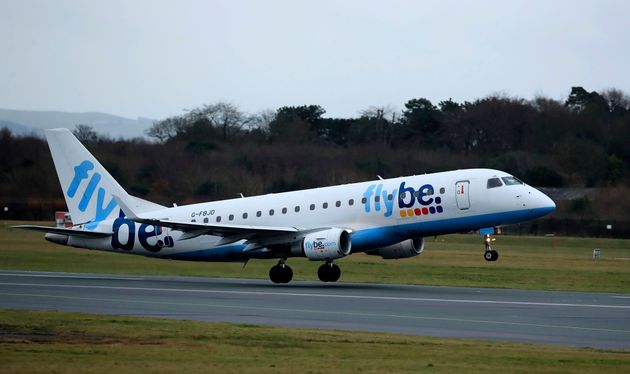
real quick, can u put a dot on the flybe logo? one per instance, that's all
(377, 199)
(82, 172)
(152, 238)
(319, 244)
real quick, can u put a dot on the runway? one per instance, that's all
(597, 320)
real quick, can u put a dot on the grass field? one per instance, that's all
(48, 342)
(524, 263)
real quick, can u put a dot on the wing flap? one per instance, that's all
(197, 228)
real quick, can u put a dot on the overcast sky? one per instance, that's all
(156, 58)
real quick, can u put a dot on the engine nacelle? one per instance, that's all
(404, 249)
(326, 244)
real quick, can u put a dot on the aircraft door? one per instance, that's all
(461, 194)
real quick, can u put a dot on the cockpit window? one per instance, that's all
(494, 182)
(510, 181)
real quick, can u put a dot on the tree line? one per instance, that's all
(218, 151)
(578, 142)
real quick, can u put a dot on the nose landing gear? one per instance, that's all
(490, 254)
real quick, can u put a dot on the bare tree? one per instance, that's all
(262, 119)
(222, 115)
(167, 128)
(617, 100)
(85, 133)
(383, 118)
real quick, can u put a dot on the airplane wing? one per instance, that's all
(194, 229)
(213, 229)
(65, 231)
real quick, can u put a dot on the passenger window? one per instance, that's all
(244, 215)
(284, 210)
(510, 181)
(218, 218)
(258, 213)
(338, 204)
(416, 193)
(363, 200)
(351, 202)
(377, 198)
(297, 208)
(271, 212)
(494, 182)
(390, 197)
(403, 195)
(442, 190)
(231, 217)
(205, 220)
(312, 206)
(193, 220)
(325, 205)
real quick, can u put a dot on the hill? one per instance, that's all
(27, 121)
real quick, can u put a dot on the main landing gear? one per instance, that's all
(490, 254)
(281, 273)
(329, 272)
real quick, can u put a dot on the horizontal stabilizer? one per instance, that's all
(64, 231)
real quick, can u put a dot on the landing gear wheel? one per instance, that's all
(329, 272)
(487, 255)
(280, 273)
(335, 273)
(495, 255)
(491, 255)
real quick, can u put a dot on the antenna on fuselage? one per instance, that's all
(241, 195)
(379, 177)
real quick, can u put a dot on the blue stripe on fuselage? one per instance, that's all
(364, 240)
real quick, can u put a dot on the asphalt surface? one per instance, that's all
(597, 320)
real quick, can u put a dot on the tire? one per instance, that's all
(495, 255)
(324, 273)
(275, 274)
(335, 273)
(287, 274)
(488, 255)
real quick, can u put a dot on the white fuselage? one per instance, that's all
(376, 213)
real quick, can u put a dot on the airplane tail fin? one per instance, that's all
(87, 187)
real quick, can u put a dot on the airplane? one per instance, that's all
(385, 217)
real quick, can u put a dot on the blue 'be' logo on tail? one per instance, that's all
(81, 172)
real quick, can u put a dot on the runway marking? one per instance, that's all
(295, 294)
(320, 312)
(87, 276)
(620, 297)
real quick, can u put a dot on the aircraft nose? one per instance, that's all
(545, 204)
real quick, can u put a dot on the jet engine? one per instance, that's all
(404, 249)
(326, 244)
